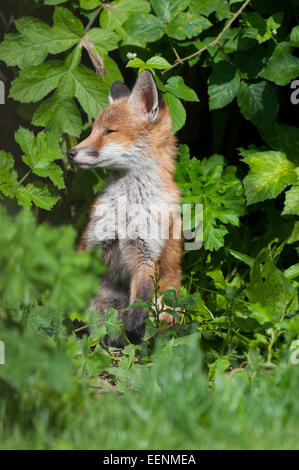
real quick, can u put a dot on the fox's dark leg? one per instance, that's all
(141, 287)
(111, 295)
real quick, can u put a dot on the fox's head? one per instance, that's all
(135, 126)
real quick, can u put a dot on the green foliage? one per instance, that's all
(270, 172)
(41, 263)
(207, 182)
(224, 69)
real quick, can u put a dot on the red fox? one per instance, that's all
(133, 138)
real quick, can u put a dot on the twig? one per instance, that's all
(213, 43)
(93, 18)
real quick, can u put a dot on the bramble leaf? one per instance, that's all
(258, 103)
(177, 87)
(224, 84)
(270, 172)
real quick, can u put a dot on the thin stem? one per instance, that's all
(24, 177)
(214, 42)
(93, 18)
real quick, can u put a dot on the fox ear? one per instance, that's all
(145, 98)
(118, 90)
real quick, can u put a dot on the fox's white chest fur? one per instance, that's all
(130, 209)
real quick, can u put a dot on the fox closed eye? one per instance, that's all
(108, 131)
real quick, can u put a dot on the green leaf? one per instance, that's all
(270, 172)
(283, 138)
(291, 205)
(89, 4)
(120, 12)
(145, 27)
(224, 84)
(258, 103)
(59, 115)
(8, 177)
(206, 7)
(177, 111)
(294, 236)
(256, 21)
(167, 9)
(268, 286)
(157, 62)
(295, 36)
(282, 66)
(33, 83)
(67, 27)
(177, 87)
(112, 71)
(220, 192)
(38, 193)
(26, 140)
(31, 47)
(186, 25)
(39, 155)
(292, 272)
(136, 63)
(261, 314)
(91, 92)
(242, 257)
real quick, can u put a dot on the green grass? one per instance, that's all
(171, 405)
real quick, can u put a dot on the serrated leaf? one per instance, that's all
(224, 84)
(268, 286)
(120, 12)
(270, 172)
(214, 236)
(38, 193)
(53, 172)
(104, 39)
(91, 92)
(167, 9)
(136, 63)
(177, 111)
(177, 87)
(157, 62)
(282, 66)
(291, 205)
(187, 25)
(258, 103)
(112, 71)
(220, 192)
(8, 177)
(39, 155)
(59, 115)
(33, 83)
(67, 27)
(26, 140)
(145, 27)
(31, 47)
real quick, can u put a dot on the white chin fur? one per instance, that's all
(111, 156)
